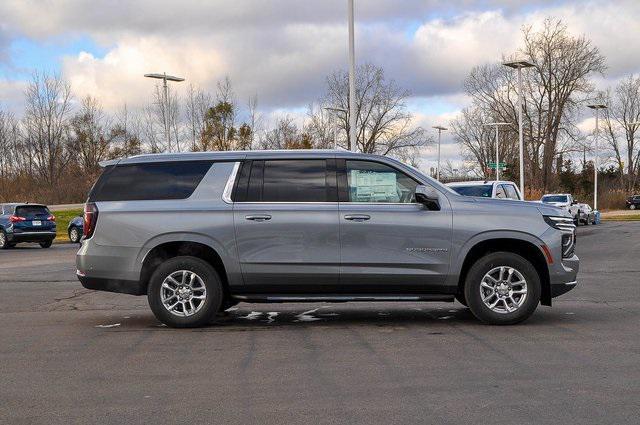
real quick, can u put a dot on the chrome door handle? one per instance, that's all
(357, 217)
(258, 217)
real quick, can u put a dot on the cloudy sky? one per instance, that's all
(282, 50)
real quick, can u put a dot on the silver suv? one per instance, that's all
(200, 232)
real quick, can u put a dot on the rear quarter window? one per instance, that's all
(149, 181)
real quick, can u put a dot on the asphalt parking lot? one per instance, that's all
(69, 355)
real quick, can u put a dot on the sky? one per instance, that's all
(282, 50)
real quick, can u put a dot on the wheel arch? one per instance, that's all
(172, 245)
(527, 246)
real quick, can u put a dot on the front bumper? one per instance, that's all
(565, 277)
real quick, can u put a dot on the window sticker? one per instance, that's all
(374, 186)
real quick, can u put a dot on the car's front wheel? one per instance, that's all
(632, 206)
(4, 243)
(502, 288)
(185, 292)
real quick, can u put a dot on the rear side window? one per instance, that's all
(31, 210)
(149, 181)
(294, 181)
(511, 192)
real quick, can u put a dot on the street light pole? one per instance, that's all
(352, 145)
(335, 130)
(164, 77)
(519, 65)
(497, 124)
(596, 107)
(440, 130)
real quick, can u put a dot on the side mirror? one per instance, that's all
(428, 196)
(575, 202)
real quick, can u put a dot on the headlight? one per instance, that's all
(560, 223)
(564, 224)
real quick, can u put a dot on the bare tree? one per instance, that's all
(90, 137)
(553, 90)
(384, 124)
(286, 135)
(197, 103)
(46, 127)
(620, 123)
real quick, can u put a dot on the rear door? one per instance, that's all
(389, 243)
(286, 223)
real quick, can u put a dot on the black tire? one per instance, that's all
(632, 206)
(212, 284)
(4, 243)
(487, 263)
(78, 234)
(46, 244)
(462, 300)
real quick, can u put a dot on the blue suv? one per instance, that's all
(75, 229)
(26, 223)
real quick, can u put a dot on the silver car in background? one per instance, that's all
(199, 232)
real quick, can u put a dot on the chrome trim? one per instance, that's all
(33, 233)
(572, 283)
(228, 188)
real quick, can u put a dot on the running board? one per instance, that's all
(266, 298)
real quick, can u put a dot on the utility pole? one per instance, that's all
(596, 108)
(440, 130)
(353, 143)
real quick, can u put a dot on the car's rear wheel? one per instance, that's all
(4, 243)
(185, 292)
(46, 244)
(74, 234)
(502, 288)
(632, 206)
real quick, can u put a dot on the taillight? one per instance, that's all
(51, 218)
(15, 219)
(90, 219)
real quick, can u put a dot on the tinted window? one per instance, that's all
(482, 190)
(556, 198)
(170, 180)
(375, 182)
(31, 211)
(292, 181)
(512, 193)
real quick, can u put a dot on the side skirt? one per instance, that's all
(295, 298)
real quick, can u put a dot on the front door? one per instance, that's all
(287, 226)
(389, 243)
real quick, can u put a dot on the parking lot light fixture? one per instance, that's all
(596, 107)
(497, 124)
(164, 77)
(440, 130)
(519, 65)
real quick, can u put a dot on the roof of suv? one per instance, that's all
(239, 155)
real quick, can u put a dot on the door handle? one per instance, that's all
(258, 217)
(357, 217)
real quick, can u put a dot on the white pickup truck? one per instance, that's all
(564, 201)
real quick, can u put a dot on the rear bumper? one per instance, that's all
(131, 287)
(31, 237)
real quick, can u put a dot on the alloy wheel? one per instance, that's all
(183, 293)
(503, 289)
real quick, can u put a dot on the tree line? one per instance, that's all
(52, 152)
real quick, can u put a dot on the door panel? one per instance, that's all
(295, 250)
(389, 243)
(399, 248)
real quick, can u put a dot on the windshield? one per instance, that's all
(554, 198)
(483, 190)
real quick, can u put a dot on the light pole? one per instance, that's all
(440, 130)
(497, 124)
(353, 144)
(164, 77)
(332, 109)
(519, 65)
(596, 107)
